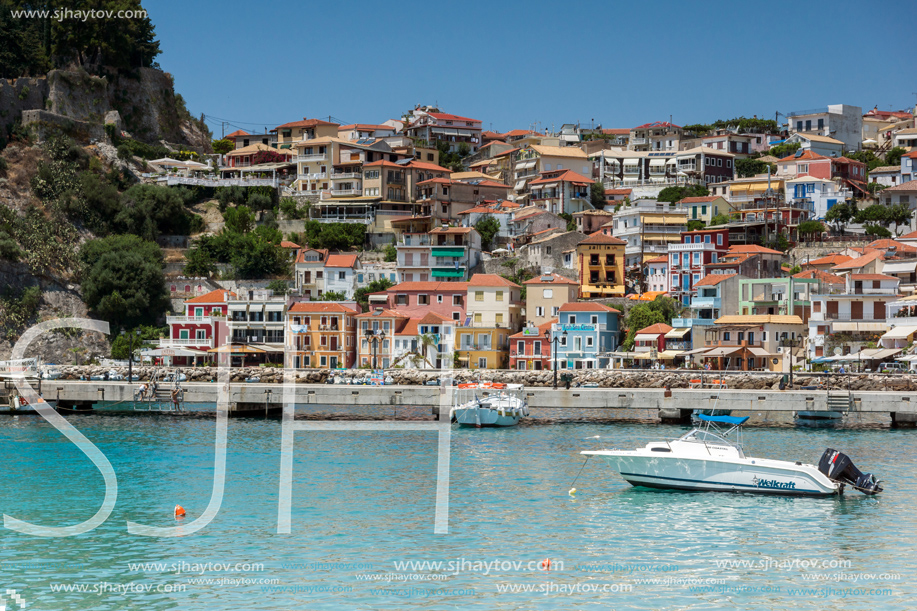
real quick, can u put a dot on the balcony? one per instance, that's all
(313, 176)
(419, 263)
(844, 317)
(679, 247)
(414, 239)
(185, 343)
(638, 141)
(692, 322)
(677, 344)
(183, 320)
(307, 158)
(706, 303)
(345, 192)
(343, 175)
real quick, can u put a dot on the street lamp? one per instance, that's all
(554, 341)
(374, 339)
(791, 344)
(130, 353)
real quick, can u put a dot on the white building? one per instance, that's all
(822, 145)
(340, 274)
(816, 194)
(837, 121)
(656, 273)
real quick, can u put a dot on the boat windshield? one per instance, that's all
(703, 436)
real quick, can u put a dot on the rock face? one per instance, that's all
(602, 378)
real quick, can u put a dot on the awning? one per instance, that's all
(449, 252)
(884, 354)
(612, 161)
(520, 185)
(669, 355)
(899, 268)
(900, 333)
(723, 351)
(448, 273)
(631, 162)
(761, 352)
(657, 162)
(274, 307)
(646, 337)
(237, 349)
(238, 307)
(670, 161)
(524, 165)
(696, 351)
(677, 333)
(172, 352)
(266, 348)
(859, 326)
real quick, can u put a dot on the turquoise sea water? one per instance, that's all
(364, 503)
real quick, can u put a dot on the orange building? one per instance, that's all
(321, 335)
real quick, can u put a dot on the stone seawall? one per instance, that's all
(603, 378)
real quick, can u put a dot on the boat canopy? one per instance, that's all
(724, 419)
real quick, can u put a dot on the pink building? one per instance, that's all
(807, 163)
(202, 327)
(416, 299)
(688, 258)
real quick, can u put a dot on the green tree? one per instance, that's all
(239, 219)
(279, 287)
(875, 214)
(390, 253)
(221, 147)
(120, 344)
(149, 211)
(571, 223)
(258, 254)
(893, 157)
(199, 262)
(333, 296)
(696, 225)
(122, 280)
(746, 168)
(784, 150)
(808, 228)
(361, 295)
(675, 194)
(719, 219)
(289, 209)
(488, 227)
(877, 230)
(777, 242)
(597, 195)
(840, 214)
(639, 317)
(899, 214)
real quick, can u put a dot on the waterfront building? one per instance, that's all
(530, 349)
(321, 335)
(482, 347)
(588, 332)
(754, 342)
(545, 295)
(715, 295)
(493, 301)
(383, 324)
(415, 299)
(688, 258)
(256, 321)
(201, 327)
(600, 262)
(789, 295)
(425, 342)
(651, 341)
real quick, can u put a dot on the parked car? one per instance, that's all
(893, 368)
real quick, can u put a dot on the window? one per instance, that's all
(563, 341)
(764, 336)
(548, 293)
(439, 299)
(539, 311)
(589, 341)
(594, 319)
(478, 318)
(456, 300)
(726, 336)
(741, 336)
(555, 310)
(479, 295)
(323, 361)
(520, 347)
(423, 300)
(482, 362)
(499, 295)
(751, 337)
(706, 239)
(499, 318)
(719, 239)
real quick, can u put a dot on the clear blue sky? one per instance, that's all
(511, 64)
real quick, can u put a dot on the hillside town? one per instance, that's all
(748, 244)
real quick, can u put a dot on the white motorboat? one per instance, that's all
(488, 404)
(705, 460)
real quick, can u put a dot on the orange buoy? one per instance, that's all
(546, 564)
(179, 511)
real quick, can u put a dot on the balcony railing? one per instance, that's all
(180, 343)
(321, 157)
(313, 176)
(177, 320)
(343, 175)
(342, 192)
(678, 247)
(414, 240)
(865, 317)
(638, 140)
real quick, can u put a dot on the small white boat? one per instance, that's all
(705, 460)
(51, 372)
(481, 404)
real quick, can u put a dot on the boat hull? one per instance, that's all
(747, 475)
(483, 416)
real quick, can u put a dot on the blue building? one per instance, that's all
(587, 332)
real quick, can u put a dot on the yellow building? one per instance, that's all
(600, 261)
(482, 347)
(494, 301)
(307, 129)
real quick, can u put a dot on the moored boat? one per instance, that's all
(705, 459)
(482, 404)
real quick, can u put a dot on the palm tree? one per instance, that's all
(427, 340)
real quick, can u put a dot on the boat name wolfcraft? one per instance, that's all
(772, 483)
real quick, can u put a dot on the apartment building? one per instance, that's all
(375, 337)
(655, 136)
(426, 342)
(493, 301)
(647, 227)
(415, 299)
(309, 272)
(754, 342)
(790, 295)
(530, 349)
(482, 347)
(201, 327)
(688, 258)
(433, 127)
(446, 199)
(715, 295)
(256, 319)
(703, 208)
(600, 262)
(321, 335)
(562, 192)
(545, 295)
(587, 333)
(532, 160)
(341, 274)
(837, 121)
(307, 129)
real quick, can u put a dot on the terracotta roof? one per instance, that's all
(490, 280)
(491, 135)
(341, 260)
(301, 257)
(616, 131)
(713, 279)
(409, 328)
(600, 238)
(618, 191)
(886, 169)
(217, 296)
(659, 259)
(910, 185)
(258, 147)
(912, 155)
(447, 117)
(698, 200)
(305, 123)
(586, 306)
(910, 236)
(757, 319)
(872, 277)
(288, 244)
(552, 279)
(365, 127)
(887, 243)
(429, 286)
(422, 165)
(433, 318)
(321, 306)
(658, 328)
(833, 259)
(506, 152)
(753, 248)
(860, 261)
(236, 134)
(817, 138)
(657, 124)
(452, 230)
(820, 275)
(542, 328)
(384, 312)
(383, 163)
(559, 151)
(566, 176)
(807, 155)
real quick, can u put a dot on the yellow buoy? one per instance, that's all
(572, 491)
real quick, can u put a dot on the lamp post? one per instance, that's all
(130, 353)
(554, 341)
(791, 344)
(374, 339)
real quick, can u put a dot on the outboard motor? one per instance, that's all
(840, 468)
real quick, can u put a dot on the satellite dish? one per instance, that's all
(838, 351)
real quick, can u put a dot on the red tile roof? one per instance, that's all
(321, 306)
(872, 277)
(658, 328)
(860, 261)
(552, 279)
(910, 185)
(422, 165)
(616, 131)
(365, 127)
(887, 244)
(385, 312)
(657, 124)
(618, 191)
(383, 163)
(217, 296)
(236, 134)
(820, 275)
(659, 259)
(521, 132)
(698, 200)
(832, 259)
(586, 306)
(910, 236)
(600, 238)
(288, 244)
(753, 248)
(341, 260)
(305, 123)
(567, 176)
(808, 155)
(490, 280)
(713, 279)
(301, 257)
(442, 116)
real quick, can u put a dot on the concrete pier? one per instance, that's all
(673, 405)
